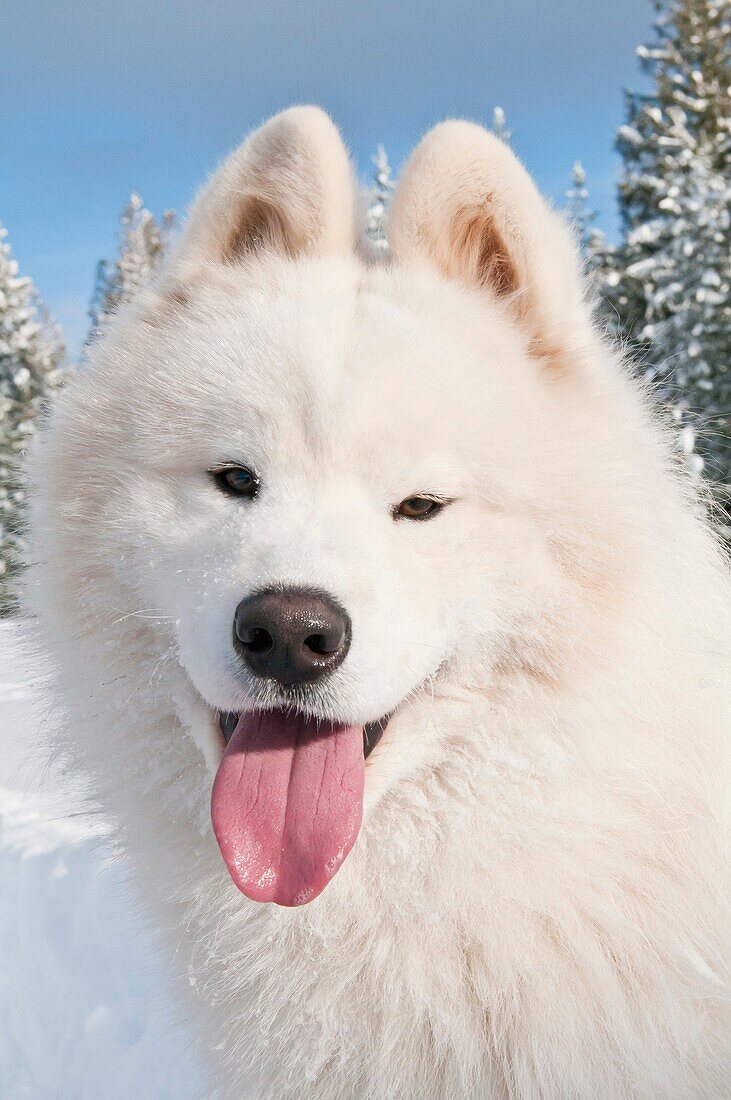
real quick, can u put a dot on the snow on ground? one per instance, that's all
(82, 1015)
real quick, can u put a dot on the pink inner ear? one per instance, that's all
(260, 226)
(479, 247)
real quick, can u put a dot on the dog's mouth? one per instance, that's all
(287, 800)
(372, 731)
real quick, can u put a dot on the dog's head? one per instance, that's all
(347, 492)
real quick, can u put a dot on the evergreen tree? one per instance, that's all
(598, 255)
(499, 128)
(31, 367)
(379, 198)
(673, 297)
(143, 243)
(577, 204)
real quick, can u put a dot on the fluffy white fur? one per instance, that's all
(536, 908)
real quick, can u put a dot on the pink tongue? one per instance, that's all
(287, 804)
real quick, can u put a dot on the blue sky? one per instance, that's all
(99, 98)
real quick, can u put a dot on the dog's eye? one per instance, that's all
(419, 507)
(237, 481)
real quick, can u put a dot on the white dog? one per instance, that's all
(407, 539)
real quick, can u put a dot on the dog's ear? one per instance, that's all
(466, 205)
(288, 189)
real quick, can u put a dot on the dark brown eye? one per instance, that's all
(238, 481)
(419, 508)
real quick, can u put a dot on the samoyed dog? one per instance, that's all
(396, 645)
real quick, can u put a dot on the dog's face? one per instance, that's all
(324, 469)
(334, 444)
(332, 476)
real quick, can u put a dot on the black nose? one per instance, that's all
(294, 635)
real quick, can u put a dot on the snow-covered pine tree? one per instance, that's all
(379, 198)
(577, 204)
(143, 243)
(598, 254)
(499, 128)
(31, 368)
(673, 296)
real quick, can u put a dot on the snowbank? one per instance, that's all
(82, 1015)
